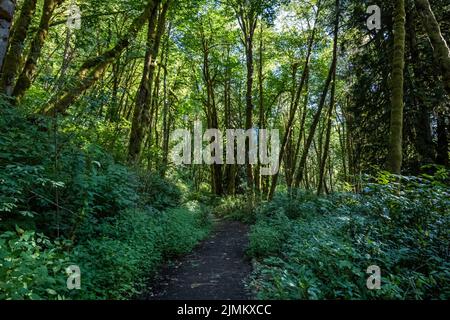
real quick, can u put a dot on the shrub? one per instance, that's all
(119, 263)
(158, 192)
(326, 253)
(121, 224)
(268, 235)
(237, 208)
(31, 267)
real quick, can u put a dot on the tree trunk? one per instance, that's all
(248, 22)
(230, 169)
(249, 102)
(7, 9)
(422, 122)
(144, 100)
(316, 119)
(25, 78)
(211, 110)
(258, 177)
(395, 156)
(166, 106)
(144, 91)
(326, 147)
(93, 68)
(301, 134)
(440, 47)
(13, 58)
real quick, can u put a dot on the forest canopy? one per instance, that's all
(353, 97)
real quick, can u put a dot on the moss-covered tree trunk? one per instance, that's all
(93, 68)
(440, 47)
(28, 72)
(13, 58)
(144, 101)
(250, 22)
(143, 93)
(395, 155)
(7, 9)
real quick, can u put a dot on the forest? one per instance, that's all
(115, 117)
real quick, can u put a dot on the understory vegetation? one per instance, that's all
(116, 225)
(309, 247)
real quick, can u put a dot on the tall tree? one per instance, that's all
(247, 14)
(28, 71)
(145, 100)
(7, 10)
(440, 47)
(296, 101)
(13, 58)
(316, 119)
(142, 106)
(92, 69)
(395, 155)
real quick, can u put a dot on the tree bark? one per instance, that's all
(13, 58)
(7, 10)
(258, 177)
(301, 133)
(28, 72)
(326, 147)
(93, 68)
(144, 100)
(166, 118)
(143, 94)
(247, 18)
(440, 47)
(395, 156)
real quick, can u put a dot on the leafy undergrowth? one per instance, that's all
(235, 208)
(71, 203)
(307, 247)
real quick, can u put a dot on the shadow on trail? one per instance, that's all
(216, 270)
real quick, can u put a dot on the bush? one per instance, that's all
(237, 208)
(119, 263)
(268, 235)
(88, 181)
(31, 267)
(121, 224)
(158, 192)
(326, 253)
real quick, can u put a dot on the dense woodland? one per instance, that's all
(86, 117)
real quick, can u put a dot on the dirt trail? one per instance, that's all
(215, 270)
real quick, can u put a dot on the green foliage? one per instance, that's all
(237, 208)
(268, 235)
(332, 241)
(116, 264)
(122, 225)
(36, 164)
(158, 192)
(31, 266)
(182, 230)
(119, 263)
